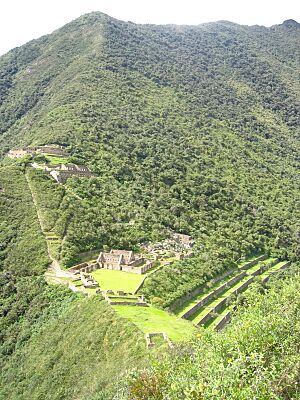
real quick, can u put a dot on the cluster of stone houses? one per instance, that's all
(61, 172)
(124, 260)
(178, 243)
(21, 152)
(118, 260)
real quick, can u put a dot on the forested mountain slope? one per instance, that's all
(38, 322)
(190, 128)
(193, 128)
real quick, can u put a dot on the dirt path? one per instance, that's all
(54, 267)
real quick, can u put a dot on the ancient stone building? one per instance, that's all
(61, 172)
(88, 281)
(19, 153)
(184, 240)
(123, 260)
(54, 150)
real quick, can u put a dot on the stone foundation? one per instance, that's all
(149, 342)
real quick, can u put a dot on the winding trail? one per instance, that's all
(54, 267)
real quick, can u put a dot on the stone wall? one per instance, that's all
(128, 303)
(254, 262)
(243, 287)
(137, 263)
(78, 267)
(265, 267)
(149, 336)
(211, 313)
(190, 295)
(220, 325)
(91, 268)
(115, 297)
(137, 270)
(284, 266)
(146, 267)
(213, 295)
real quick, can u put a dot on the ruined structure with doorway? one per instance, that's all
(61, 172)
(123, 260)
(58, 151)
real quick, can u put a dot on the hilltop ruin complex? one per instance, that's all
(53, 150)
(178, 243)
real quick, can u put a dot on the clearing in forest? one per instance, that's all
(117, 280)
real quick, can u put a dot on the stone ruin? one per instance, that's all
(150, 343)
(88, 281)
(120, 298)
(62, 172)
(21, 152)
(119, 260)
(179, 244)
(124, 260)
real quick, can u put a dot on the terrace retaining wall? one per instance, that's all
(254, 262)
(213, 295)
(220, 325)
(209, 315)
(127, 303)
(284, 266)
(265, 267)
(188, 296)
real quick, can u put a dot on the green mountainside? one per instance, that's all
(40, 321)
(189, 128)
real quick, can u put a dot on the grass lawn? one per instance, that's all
(150, 319)
(117, 280)
(56, 160)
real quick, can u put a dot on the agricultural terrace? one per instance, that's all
(211, 306)
(151, 319)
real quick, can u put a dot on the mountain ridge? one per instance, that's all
(190, 129)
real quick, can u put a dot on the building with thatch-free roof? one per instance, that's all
(58, 151)
(19, 153)
(61, 172)
(123, 260)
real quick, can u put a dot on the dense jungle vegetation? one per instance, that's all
(190, 128)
